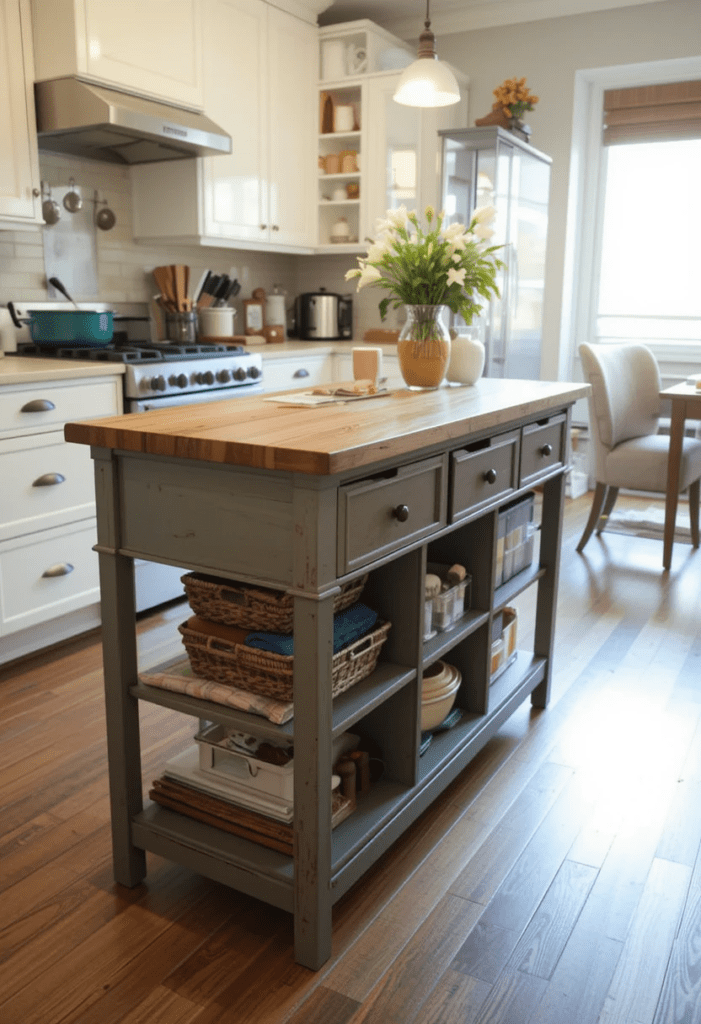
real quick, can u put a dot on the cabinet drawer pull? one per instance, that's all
(62, 569)
(276, 227)
(546, 450)
(401, 512)
(263, 227)
(38, 405)
(301, 372)
(49, 480)
(490, 476)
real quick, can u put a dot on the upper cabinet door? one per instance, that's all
(19, 165)
(235, 186)
(151, 47)
(293, 49)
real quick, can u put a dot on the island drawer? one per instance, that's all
(483, 477)
(543, 447)
(383, 513)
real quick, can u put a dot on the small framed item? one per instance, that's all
(253, 321)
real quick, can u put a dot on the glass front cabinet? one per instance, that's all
(491, 166)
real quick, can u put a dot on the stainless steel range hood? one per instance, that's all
(88, 120)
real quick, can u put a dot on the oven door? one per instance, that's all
(167, 401)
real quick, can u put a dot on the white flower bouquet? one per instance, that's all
(452, 266)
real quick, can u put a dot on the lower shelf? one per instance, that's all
(379, 819)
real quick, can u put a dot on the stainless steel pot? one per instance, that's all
(324, 316)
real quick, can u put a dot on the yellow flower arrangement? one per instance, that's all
(514, 98)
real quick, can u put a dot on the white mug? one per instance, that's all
(216, 323)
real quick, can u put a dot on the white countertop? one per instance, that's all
(29, 370)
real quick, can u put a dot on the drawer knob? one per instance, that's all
(401, 512)
(491, 476)
(49, 480)
(301, 372)
(62, 569)
(38, 405)
(546, 450)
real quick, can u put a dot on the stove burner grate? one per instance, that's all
(130, 352)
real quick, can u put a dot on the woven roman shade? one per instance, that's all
(652, 112)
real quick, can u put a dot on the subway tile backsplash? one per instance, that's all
(123, 271)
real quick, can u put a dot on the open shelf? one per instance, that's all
(348, 707)
(247, 866)
(443, 641)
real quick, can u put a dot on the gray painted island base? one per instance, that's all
(307, 534)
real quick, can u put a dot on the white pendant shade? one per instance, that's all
(427, 83)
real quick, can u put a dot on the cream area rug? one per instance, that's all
(649, 522)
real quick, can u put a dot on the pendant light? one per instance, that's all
(428, 82)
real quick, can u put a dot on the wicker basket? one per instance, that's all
(233, 604)
(271, 674)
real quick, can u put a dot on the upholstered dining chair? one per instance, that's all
(624, 414)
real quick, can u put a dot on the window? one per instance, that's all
(632, 266)
(649, 282)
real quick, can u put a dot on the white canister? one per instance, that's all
(466, 356)
(275, 310)
(343, 119)
(333, 60)
(216, 323)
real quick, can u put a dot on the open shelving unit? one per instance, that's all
(455, 492)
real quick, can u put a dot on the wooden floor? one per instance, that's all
(557, 880)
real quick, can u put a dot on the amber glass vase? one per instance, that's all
(423, 347)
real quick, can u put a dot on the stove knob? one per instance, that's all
(180, 381)
(240, 373)
(208, 377)
(158, 383)
(198, 378)
(223, 376)
(254, 371)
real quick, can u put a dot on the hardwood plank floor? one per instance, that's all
(556, 881)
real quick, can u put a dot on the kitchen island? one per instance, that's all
(306, 500)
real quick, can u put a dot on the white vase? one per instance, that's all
(466, 356)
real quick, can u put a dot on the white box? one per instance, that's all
(246, 771)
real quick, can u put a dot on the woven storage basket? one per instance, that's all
(233, 604)
(271, 674)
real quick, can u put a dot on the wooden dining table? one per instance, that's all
(686, 403)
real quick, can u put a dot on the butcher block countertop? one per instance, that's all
(327, 439)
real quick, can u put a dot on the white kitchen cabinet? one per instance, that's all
(20, 190)
(149, 47)
(299, 371)
(49, 586)
(397, 147)
(260, 87)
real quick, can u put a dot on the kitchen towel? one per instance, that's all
(348, 626)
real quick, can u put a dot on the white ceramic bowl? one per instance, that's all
(435, 709)
(436, 676)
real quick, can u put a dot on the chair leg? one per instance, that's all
(694, 492)
(596, 507)
(611, 495)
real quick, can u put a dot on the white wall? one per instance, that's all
(548, 53)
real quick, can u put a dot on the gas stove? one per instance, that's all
(172, 372)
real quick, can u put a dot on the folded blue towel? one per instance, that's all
(348, 626)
